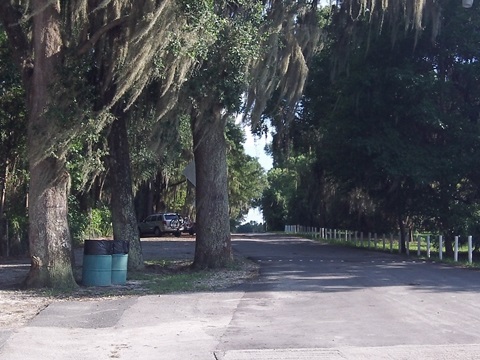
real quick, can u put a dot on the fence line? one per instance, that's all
(358, 240)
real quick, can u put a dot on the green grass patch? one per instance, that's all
(163, 284)
(159, 262)
(160, 276)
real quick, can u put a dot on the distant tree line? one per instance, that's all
(387, 137)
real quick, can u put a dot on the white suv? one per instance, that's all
(162, 223)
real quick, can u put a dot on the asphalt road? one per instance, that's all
(311, 301)
(314, 296)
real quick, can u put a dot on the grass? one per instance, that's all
(175, 283)
(160, 276)
(168, 276)
(159, 262)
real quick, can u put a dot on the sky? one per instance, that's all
(255, 147)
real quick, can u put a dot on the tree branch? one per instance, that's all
(11, 19)
(95, 37)
(177, 183)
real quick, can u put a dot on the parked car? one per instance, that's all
(161, 223)
(188, 226)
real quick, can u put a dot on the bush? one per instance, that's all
(84, 225)
(18, 235)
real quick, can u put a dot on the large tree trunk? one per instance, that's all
(213, 243)
(448, 240)
(3, 218)
(122, 206)
(188, 208)
(49, 235)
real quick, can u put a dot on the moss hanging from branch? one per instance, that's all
(126, 44)
(399, 16)
(291, 33)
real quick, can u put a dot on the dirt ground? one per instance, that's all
(19, 306)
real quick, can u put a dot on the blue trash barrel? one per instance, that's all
(120, 262)
(97, 263)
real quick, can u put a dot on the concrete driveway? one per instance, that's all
(311, 301)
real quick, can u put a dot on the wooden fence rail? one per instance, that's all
(384, 242)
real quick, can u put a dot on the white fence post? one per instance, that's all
(440, 247)
(418, 245)
(455, 250)
(470, 258)
(354, 238)
(428, 246)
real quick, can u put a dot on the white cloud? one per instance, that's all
(255, 147)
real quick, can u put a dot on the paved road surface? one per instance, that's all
(312, 301)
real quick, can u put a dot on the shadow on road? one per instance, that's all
(295, 264)
(290, 263)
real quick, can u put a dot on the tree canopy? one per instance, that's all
(395, 132)
(102, 76)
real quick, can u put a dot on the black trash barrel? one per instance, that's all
(97, 263)
(120, 262)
